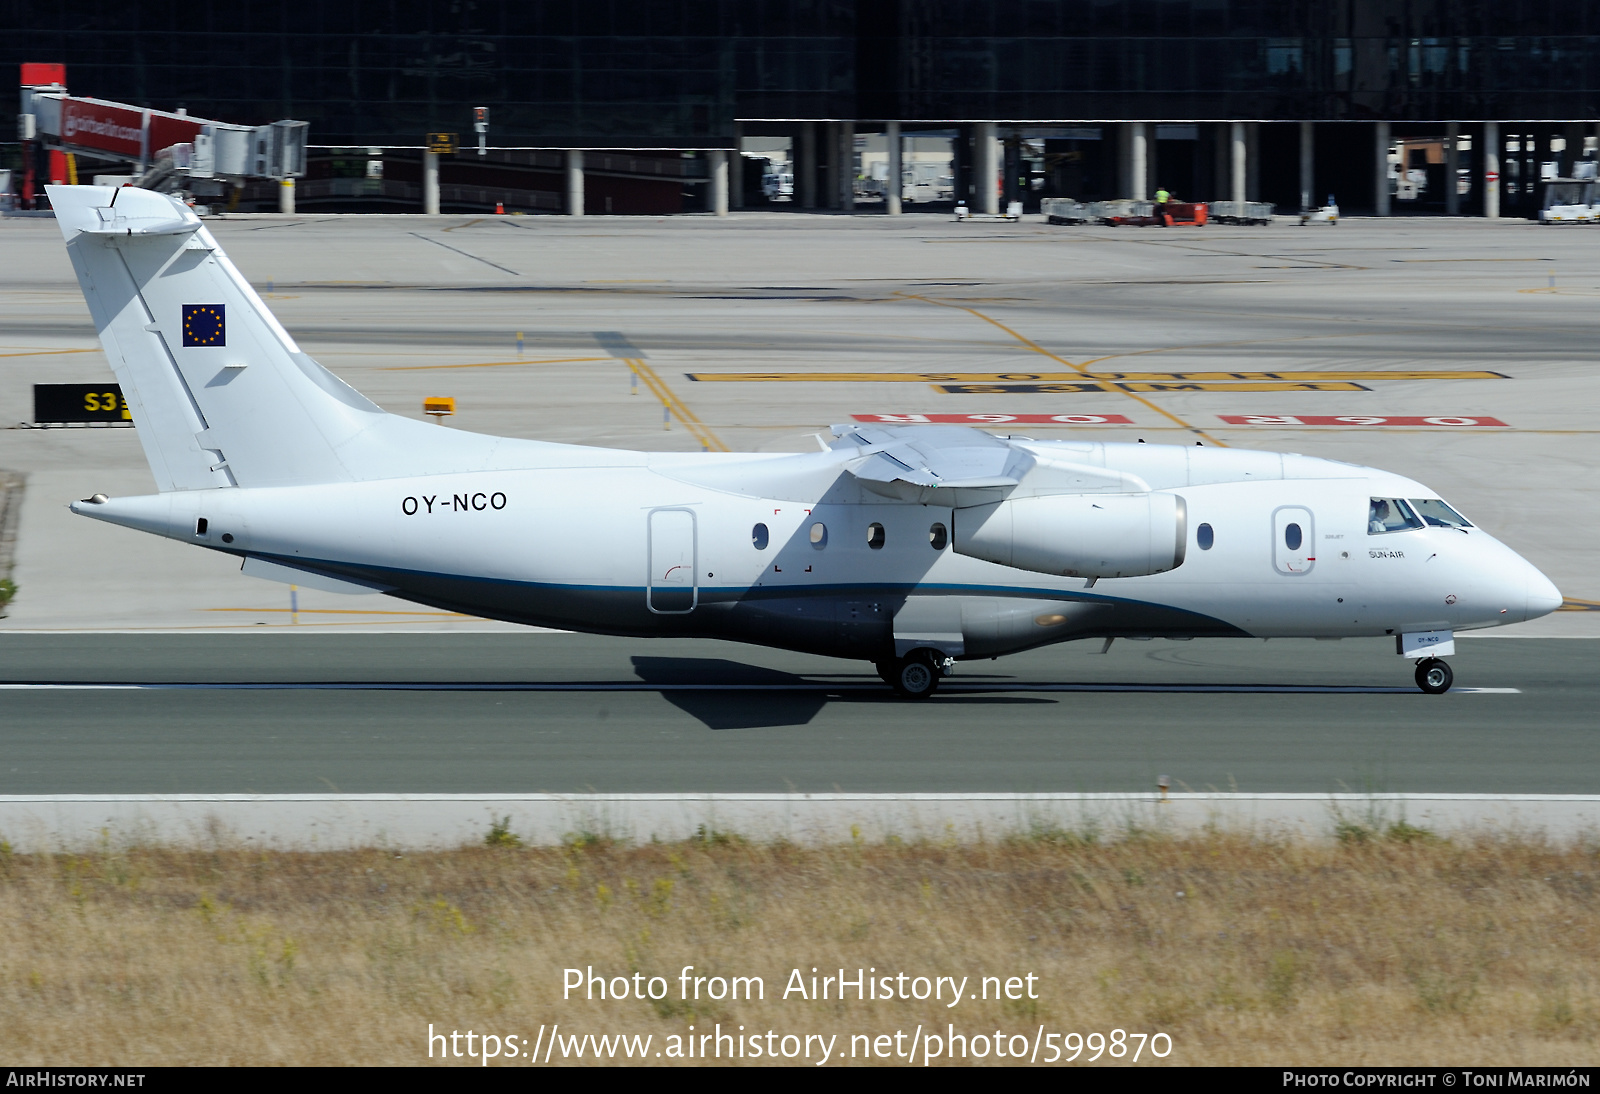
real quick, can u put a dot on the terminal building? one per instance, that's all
(1390, 107)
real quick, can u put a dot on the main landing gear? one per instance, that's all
(1434, 676)
(917, 674)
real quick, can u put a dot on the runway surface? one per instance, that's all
(560, 713)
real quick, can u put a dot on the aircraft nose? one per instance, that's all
(1543, 596)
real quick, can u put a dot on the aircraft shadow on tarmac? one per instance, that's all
(771, 706)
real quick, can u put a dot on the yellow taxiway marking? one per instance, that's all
(1060, 377)
(1079, 369)
(494, 364)
(658, 387)
(1573, 604)
(49, 352)
(1069, 386)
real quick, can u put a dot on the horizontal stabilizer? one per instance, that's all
(126, 211)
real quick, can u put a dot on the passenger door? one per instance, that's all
(1294, 540)
(673, 588)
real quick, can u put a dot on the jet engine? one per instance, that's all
(1078, 535)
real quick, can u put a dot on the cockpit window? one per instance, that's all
(1438, 514)
(1391, 515)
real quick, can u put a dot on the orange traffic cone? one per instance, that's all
(500, 207)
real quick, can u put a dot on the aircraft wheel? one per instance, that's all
(915, 675)
(1434, 676)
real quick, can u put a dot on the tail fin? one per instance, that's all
(220, 393)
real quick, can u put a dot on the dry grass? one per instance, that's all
(1378, 950)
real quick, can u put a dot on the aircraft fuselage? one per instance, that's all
(671, 545)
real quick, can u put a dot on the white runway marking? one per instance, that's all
(799, 685)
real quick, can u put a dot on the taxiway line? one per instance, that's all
(494, 364)
(1037, 348)
(675, 405)
(1058, 377)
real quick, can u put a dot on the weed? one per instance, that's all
(1283, 967)
(501, 835)
(713, 838)
(1401, 832)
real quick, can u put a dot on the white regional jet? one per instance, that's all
(907, 546)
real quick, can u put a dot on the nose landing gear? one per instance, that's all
(917, 674)
(1434, 676)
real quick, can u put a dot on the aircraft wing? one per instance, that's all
(891, 459)
(950, 456)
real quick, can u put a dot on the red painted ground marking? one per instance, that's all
(1354, 419)
(996, 419)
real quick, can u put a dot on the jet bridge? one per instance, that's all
(170, 152)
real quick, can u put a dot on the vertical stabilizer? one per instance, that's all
(220, 393)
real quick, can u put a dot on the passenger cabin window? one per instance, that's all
(758, 536)
(938, 537)
(1391, 515)
(1204, 536)
(876, 537)
(819, 535)
(1438, 514)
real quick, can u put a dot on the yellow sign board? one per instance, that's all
(438, 405)
(442, 144)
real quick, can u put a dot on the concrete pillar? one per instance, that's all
(430, 183)
(1252, 151)
(1308, 160)
(1138, 161)
(1452, 165)
(574, 182)
(845, 153)
(893, 186)
(805, 166)
(1237, 175)
(717, 162)
(286, 195)
(1491, 170)
(985, 169)
(1380, 148)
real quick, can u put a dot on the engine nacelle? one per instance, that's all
(1078, 535)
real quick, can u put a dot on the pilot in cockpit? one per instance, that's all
(1378, 516)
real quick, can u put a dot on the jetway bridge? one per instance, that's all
(173, 152)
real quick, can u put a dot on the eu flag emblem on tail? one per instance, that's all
(204, 325)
